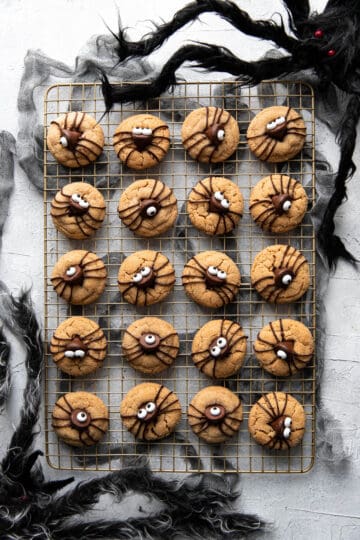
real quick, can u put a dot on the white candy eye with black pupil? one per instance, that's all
(287, 421)
(221, 274)
(215, 351)
(83, 204)
(81, 416)
(136, 131)
(271, 125)
(286, 279)
(220, 135)
(225, 203)
(218, 195)
(150, 407)
(79, 353)
(281, 354)
(147, 131)
(213, 271)
(145, 271)
(215, 411)
(76, 197)
(71, 271)
(137, 277)
(69, 354)
(286, 206)
(280, 120)
(141, 414)
(64, 142)
(286, 433)
(151, 211)
(221, 342)
(150, 339)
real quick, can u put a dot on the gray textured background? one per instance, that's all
(323, 504)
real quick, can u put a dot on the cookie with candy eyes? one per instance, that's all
(78, 210)
(210, 134)
(79, 277)
(75, 139)
(215, 414)
(280, 274)
(146, 277)
(148, 207)
(141, 141)
(150, 411)
(215, 205)
(284, 347)
(277, 421)
(80, 418)
(278, 203)
(150, 345)
(276, 134)
(218, 348)
(78, 346)
(211, 279)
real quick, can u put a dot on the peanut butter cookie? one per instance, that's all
(277, 421)
(215, 205)
(148, 207)
(78, 210)
(75, 139)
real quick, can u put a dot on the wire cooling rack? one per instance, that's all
(182, 451)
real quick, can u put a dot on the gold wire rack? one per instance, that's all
(182, 451)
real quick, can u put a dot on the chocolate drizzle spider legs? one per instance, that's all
(327, 43)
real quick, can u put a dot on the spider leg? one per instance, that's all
(299, 11)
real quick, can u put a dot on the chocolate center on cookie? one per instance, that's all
(75, 348)
(282, 426)
(283, 277)
(69, 138)
(215, 133)
(215, 277)
(215, 413)
(285, 350)
(80, 419)
(276, 129)
(145, 278)
(74, 275)
(149, 342)
(218, 203)
(149, 208)
(282, 203)
(77, 205)
(142, 137)
(147, 411)
(219, 347)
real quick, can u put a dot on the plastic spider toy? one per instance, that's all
(326, 43)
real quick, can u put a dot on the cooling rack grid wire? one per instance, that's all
(182, 451)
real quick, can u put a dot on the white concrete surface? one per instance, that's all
(320, 505)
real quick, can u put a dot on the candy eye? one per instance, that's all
(83, 204)
(215, 351)
(286, 279)
(271, 125)
(215, 411)
(76, 197)
(319, 33)
(225, 203)
(145, 271)
(280, 120)
(221, 342)
(286, 433)
(147, 131)
(331, 52)
(71, 271)
(136, 131)
(213, 271)
(287, 421)
(142, 413)
(218, 195)
(137, 277)
(150, 339)
(81, 416)
(151, 211)
(281, 354)
(69, 354)
(221, 274)
(220, 135)
(64, 142)
(286, 206)
(79, 353)
(150, 407)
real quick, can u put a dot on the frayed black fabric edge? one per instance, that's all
(30, 506)
(333, 59)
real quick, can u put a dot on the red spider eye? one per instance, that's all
(331, 52)
(319, 33)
